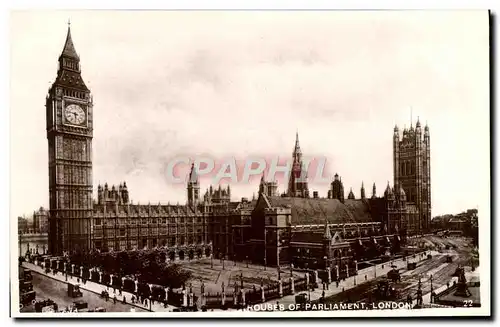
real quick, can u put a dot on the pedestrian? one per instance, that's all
(343, 289)
(448, 284)
(114, 299)
(366, 277)
(120, 291)
(337, 283)
(133, 299)
(124, 300)
(145, 302)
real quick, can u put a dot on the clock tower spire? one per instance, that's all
(69, 134)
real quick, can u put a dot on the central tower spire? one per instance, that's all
(193, 187)
(297, 185)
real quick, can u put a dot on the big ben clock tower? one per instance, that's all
(69, 134)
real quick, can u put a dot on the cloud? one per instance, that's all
(242, 83)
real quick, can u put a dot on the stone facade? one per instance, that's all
(69, 127)
(412, 173)
(272, 229)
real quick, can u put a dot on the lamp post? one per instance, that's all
(291, 270)
(20, 241)
(211, 260)
(223, 257)
(326, 266)
(247, 260)
(150, 298)
(308, 287)
(279, 272)
(234, 259)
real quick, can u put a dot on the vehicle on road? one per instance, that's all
(46, 306)
(80, 306)
(301, 298)
(28, 297)
(386, 290)
(74, 290)
(394, 275)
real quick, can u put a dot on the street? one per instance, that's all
(46, 287)
(437, 266)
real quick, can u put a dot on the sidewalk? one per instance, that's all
(349, 282)
(98, 288)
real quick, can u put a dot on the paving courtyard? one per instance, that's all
(229, 273)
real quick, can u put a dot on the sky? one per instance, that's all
(240, 84)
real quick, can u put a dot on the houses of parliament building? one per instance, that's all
(271, 229)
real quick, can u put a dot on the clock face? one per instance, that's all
(75, 114)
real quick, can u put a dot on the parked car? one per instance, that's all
(80, 305)
(74, 290)
(301, 298)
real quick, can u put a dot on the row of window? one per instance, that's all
(74, 94)
(172, 241)
(144, 221)
(70, 63)
(145, 231)
(408, 168)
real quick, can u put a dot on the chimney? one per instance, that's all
(315, 194)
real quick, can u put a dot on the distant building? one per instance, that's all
(22, 225)
(465, 223)
(41, 221)
(31, 225)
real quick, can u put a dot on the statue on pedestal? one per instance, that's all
(462, 289)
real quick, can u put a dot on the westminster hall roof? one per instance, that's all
(318, 211)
